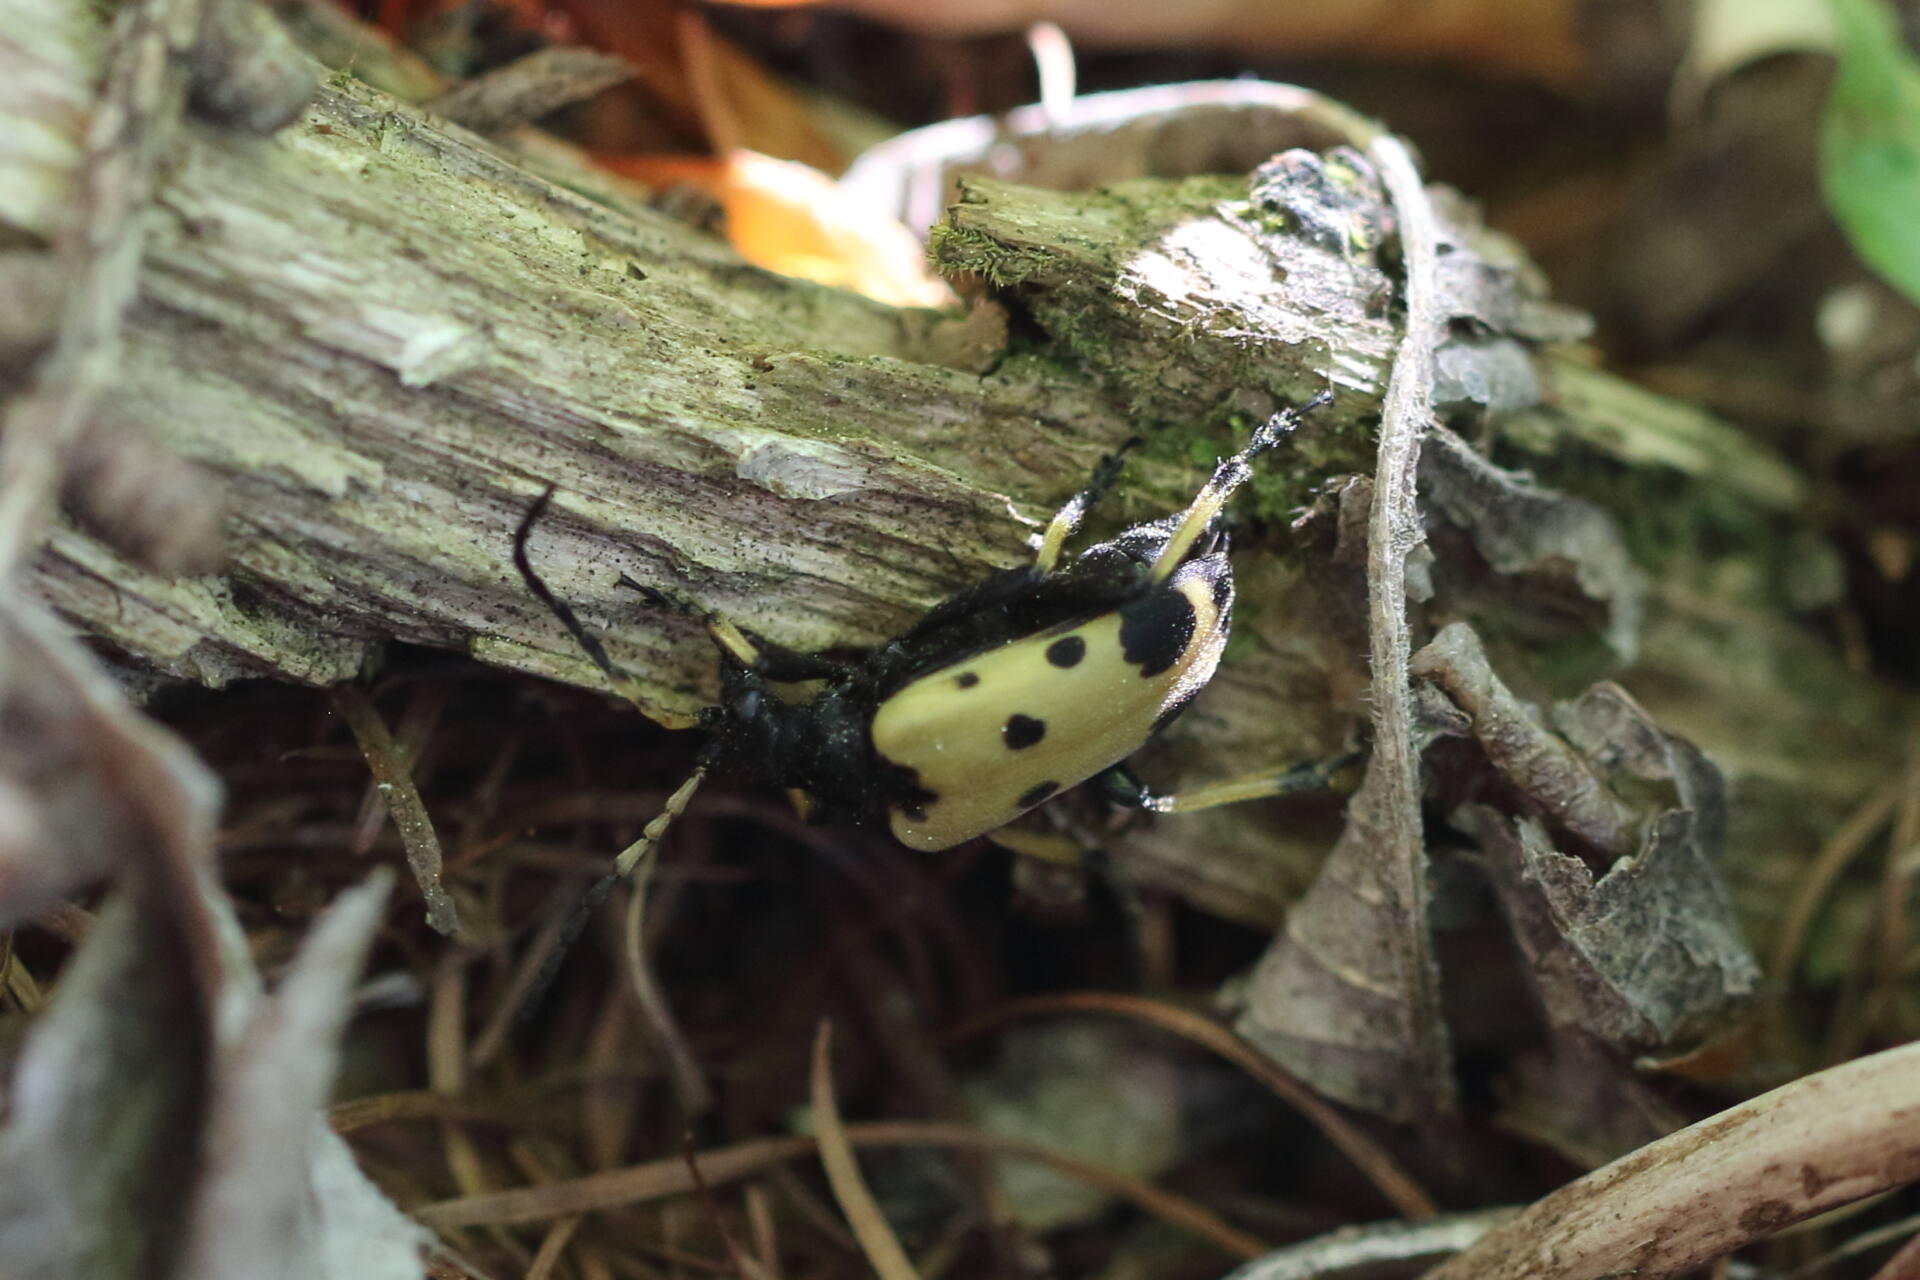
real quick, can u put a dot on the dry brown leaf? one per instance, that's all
(162, 1119)
(105, 1106)
(708, 89)
(1636, 943)
(278, 1192)
(1538, 39)
(1561, 547)
(130, 1138)
(1347, 995)
(88, 780)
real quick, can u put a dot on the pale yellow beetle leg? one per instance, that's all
(1198, 516)
(733, 640)
(1229, 475)
(1059, 529)
(1068, 518)
(1315, 776)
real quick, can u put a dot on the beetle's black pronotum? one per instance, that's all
(1035, 679)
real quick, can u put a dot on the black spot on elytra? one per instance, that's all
(967, 679)
(1156, 629)
(915, 813)
(1067, 651)
(1034, 795)
(1023, 731)
(1221, 581)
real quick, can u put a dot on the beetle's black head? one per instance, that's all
(1129, 553)
(818, 744)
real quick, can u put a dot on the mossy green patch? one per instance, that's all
(952, 249)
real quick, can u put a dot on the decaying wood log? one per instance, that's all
(383, 335)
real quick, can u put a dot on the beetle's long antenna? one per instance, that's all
(631, 856)
(1068, 518)
(595, 895)
(1229, 475)
(589, 643)
(724, 633)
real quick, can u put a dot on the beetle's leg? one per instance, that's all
(774, 661)
(1120, 786)
(1229, 475)
(730, 639)
(791, 666)
(733, 642)
(1068, 518)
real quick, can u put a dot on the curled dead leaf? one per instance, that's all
(1613, 890)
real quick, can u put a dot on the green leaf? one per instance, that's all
(1870, 143)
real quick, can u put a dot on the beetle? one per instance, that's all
(1035, 679)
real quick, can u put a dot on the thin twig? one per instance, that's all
(417, 725)
(744, 1264)
(1393, 527)
(553, 1246)
(1389, 796)
(532, 971)
(409, 812)
(1824, 1140)
(415, 1104)
(1840, 849)
(560, 1232)
(1368, 1249)
(760, 1222)
(1857, 1245)
(863, 1214)
(1897, 893)
(663, 1178)
(447, 1069)
(690, 1086)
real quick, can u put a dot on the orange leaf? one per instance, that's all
(792, 219)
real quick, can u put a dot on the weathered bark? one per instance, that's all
(384, 335)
